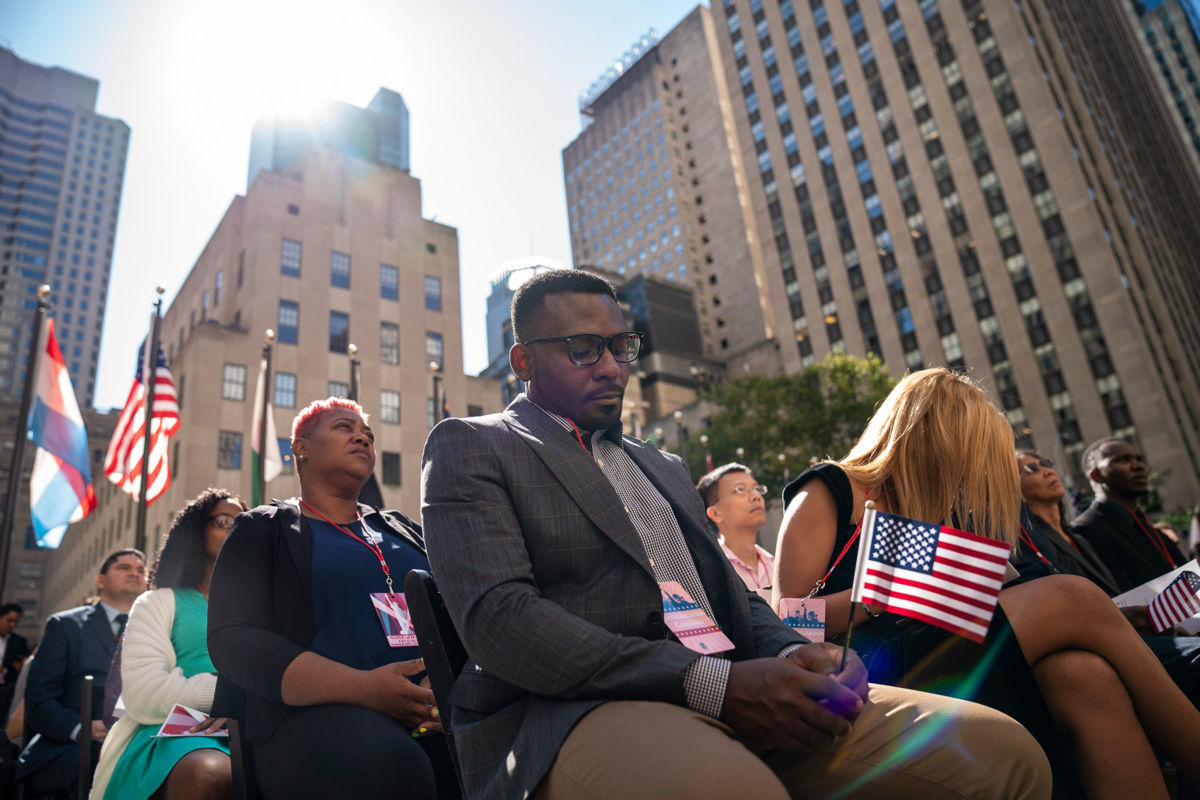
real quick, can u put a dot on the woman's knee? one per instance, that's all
(1057, 599)
(1078, 672)
(202, 773)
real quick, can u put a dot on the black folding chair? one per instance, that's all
(241, 758)
(85, 737)
(441, 648)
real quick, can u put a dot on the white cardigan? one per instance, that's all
(151, 683)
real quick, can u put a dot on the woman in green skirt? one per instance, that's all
(165, 661)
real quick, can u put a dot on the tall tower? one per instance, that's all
(655, 186)
(62, 167)
(937, 182)
(377, 133)
(1167, 31)
(327, 250)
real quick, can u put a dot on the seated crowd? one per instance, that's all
(622, 625)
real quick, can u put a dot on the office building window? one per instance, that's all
(338, 389)
(339, 331)
(285, 390)
(433, 348)
(216, 288)
(389, 282)
(389, 343)
(285, 451)
(433, 293)
(391, 468)
(289, 260)
(289, 322)
(339, 270)
(233, 382)
(389, 406)
(229, 450)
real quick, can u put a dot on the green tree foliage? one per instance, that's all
(814, 414)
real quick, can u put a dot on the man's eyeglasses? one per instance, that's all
(742, 488)
(585, 349)
(222, 521)
(1034, 467)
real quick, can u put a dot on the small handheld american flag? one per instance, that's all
(1176, 603)
(936, 574)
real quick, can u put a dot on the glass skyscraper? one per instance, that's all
(61, 172)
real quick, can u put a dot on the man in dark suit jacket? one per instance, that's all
(16, 647)
(551, 534)
(76, 643)
(1132, 549)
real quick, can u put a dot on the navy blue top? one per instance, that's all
(344, 575)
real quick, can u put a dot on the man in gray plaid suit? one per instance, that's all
(550, 533)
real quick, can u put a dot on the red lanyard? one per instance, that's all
(1027, 539)
(365, 539)
(853, 538)
(578, 437)
(1157, 541)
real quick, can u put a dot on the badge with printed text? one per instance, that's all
(393, 616)
(804, 615)
(695, 630)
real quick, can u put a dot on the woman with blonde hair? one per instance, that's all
(936, 450)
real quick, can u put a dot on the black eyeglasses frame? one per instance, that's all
(605, 343)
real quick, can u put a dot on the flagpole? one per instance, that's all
(149, 392)
(353, 351)
(436, 369)
(862, 542)
(262, 422)
(18, 456)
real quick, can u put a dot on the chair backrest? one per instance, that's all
(85, 737)
(241, 759)
(441, 648)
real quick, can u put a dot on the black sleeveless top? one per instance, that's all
(843, 497)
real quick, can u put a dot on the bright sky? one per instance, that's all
(491, 88)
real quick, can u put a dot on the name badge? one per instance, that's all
(393, 616)
(695, 630)
(804, 615)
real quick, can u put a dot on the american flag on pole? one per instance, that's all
(1176, 603)
(123, 463)
(930, 572)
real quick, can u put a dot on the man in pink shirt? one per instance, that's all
(735, 504)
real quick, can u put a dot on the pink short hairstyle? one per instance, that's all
(306, 420)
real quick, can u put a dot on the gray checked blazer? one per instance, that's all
(551, 591)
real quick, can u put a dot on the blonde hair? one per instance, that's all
(936, 450)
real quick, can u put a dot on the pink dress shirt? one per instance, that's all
(756, 580)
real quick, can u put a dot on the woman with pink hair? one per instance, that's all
(307, 619)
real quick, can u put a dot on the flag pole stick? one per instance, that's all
(869, 506)
(148, 393)
(846, 641)
(18, 456)
(262, 422)
(354, 362)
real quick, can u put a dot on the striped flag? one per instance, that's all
(60, 487)
(273, 463)
(123, 462)
(930, 572)
(1176, 603)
